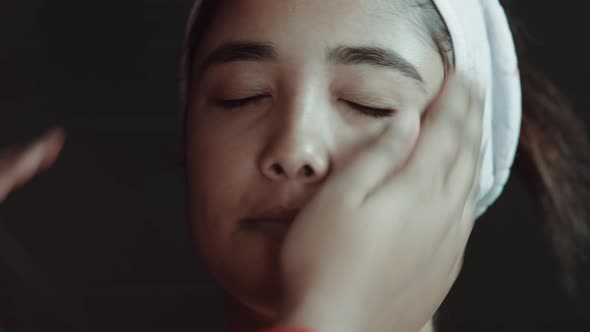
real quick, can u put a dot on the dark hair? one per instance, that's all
(553, 155)
(553, 159)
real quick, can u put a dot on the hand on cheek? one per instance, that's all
(380, 245)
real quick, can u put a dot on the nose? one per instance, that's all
(295, 155)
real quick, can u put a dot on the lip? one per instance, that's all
(266, 220)
(277, 216)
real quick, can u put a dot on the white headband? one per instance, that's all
(485, 54)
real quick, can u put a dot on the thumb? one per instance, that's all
(18, 166)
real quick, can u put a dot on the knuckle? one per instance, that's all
(456, 270)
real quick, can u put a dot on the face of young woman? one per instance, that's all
(285, 92)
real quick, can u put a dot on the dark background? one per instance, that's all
(100, 242)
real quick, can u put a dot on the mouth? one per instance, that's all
(282, 220)
(260, 221)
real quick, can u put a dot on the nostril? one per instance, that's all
(307, 170)
(278, 169)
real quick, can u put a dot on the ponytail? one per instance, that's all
(553, 159)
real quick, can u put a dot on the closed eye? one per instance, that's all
(237, 103)
(366, 110)
(371, 111)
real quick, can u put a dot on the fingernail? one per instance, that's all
(50, 137)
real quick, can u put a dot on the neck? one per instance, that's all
(240, 318)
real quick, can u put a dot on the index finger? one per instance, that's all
(20, 165)
(442, 131)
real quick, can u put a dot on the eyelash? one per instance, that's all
(371, 111)
(365, 110)
(237, 103)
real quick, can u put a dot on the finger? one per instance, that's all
(448, 260)
(54, 142)
(456, 269)
(437, 146)
(374, 164)
(445, 263)
(469, 213)
(452, 249)
(462, 182)
(18, 167)
(424, 173)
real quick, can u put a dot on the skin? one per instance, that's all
(381, 243)
(303, 123)
(18, 165)
(306, 150)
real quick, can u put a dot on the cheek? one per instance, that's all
(213, 150)
(219, 169)
(405, 127)
(406, 132)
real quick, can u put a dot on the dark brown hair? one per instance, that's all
(553, 159)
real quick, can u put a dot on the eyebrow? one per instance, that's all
(374, 56)
(240, 51)
(346, 55)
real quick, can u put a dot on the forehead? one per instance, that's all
(302, 30)
(340, 6)
(339, 17)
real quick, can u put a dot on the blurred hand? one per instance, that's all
(381, 243)
(18, 165)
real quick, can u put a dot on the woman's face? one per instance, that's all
(284, 94)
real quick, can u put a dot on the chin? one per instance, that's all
(246, 266)
(262, 296)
